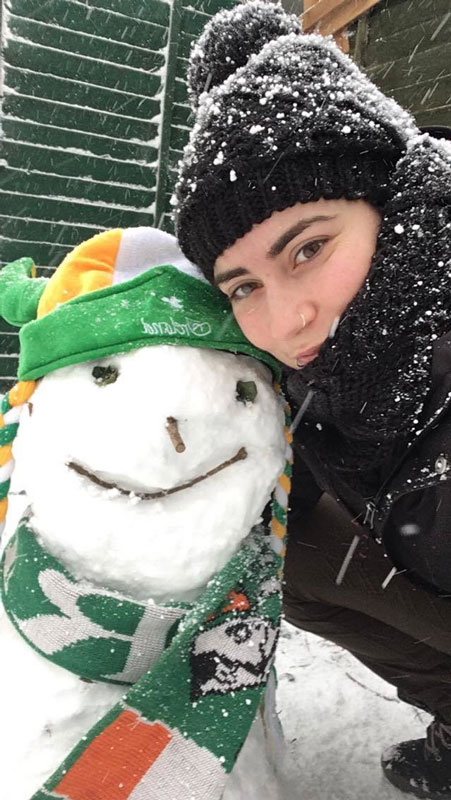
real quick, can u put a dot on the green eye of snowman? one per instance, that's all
(246, 391)
(105, 375)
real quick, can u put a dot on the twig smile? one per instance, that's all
(239, 456)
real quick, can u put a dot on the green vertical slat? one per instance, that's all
(167, 110)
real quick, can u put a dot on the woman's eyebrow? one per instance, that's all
(223, 277)
(295, 230)
(276, 248)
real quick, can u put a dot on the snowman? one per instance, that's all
(141, 589)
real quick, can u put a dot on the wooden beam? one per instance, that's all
(346, 14)
(318, 9)
(342, 39)
(332, 16)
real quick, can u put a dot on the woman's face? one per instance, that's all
(291, 277)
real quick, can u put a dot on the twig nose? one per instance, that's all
(174, 435)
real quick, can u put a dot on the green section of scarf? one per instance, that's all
(200, 668)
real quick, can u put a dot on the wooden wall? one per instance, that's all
(405, 47)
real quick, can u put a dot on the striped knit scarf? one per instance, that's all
(196, 672)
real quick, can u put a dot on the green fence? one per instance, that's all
(94, 121)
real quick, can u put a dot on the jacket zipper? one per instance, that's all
(371, 506)
(370, 512)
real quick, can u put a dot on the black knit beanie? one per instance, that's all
(281, 118)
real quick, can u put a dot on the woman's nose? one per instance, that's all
(289, 318)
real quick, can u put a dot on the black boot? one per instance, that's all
(422, 767)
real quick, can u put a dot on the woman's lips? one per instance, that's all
(308, 355)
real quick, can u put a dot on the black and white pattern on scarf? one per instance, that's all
(232, 656)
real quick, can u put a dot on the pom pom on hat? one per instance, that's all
(231, 38)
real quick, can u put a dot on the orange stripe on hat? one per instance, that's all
(87, 268)
(116, 760)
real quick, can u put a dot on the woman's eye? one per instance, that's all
(309, 250)
(241, 292)
(246, 391)
(105, 375)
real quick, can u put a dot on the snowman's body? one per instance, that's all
(153, 550)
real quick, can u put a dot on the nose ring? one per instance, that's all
(303, 320)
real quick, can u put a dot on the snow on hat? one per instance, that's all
(119, 291)
(281, 118)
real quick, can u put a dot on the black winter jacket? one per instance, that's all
(411, 513)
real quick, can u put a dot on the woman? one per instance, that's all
(316, 205)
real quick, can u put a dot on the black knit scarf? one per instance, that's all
(371, 380)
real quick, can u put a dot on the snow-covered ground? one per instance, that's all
(337, 715)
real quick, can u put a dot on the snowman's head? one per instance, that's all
(145, 471)
(150, 451)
